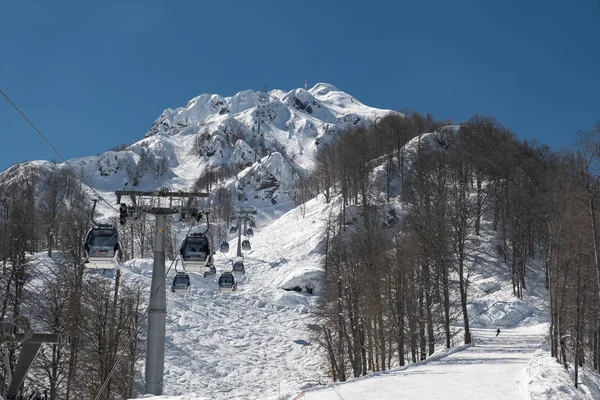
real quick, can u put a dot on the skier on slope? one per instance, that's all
(498, 332)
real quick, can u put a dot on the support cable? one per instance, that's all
(54, 149)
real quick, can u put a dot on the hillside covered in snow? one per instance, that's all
(382, 243)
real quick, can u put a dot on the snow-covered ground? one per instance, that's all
(493, 368)
(515, 364)
(255, 343)
(229, 346)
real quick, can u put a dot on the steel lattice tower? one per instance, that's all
(259, 117)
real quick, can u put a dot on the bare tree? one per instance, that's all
(588, 162)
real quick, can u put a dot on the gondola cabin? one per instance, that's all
(195, 252)
(181, 283)
(252, 224)
(233, 230)
(189, 215)
(185, 216)
(246, 244)
(226, 282)
(210, 273)
(238, 268)
(224, 247)
(249, 232)
(101, 248)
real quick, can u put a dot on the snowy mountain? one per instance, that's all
(259, 342)
(212, 131)
(221, 133)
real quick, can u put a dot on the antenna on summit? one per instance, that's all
(305, 84)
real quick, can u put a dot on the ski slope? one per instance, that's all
(492, 368)
(227, 346)
(256, 343)
(516, 364)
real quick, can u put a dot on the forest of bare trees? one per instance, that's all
(393, 292)
(45, 215)
(46, 211)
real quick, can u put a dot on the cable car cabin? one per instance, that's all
(249, 232)
(233, 230)
(252, 224)
(210, 273)
(246, 244)
(189, 215)
(195, 252)
(224, 247)
(101, 248)
(226, 282)
(238, 268)
(181, 283)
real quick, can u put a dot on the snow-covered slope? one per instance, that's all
(256, 342)
(493, 368)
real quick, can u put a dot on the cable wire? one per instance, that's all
(33, 126)
(53, 148)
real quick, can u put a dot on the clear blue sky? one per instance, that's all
(92, 75)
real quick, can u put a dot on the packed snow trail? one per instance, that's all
(494, 368)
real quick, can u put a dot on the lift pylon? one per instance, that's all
(30, 346)
(160, 203)
(242, 215)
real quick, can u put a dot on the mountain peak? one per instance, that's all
(323, 88)
(232, 134)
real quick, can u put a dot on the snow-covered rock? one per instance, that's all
(215, 131)
(266, 180)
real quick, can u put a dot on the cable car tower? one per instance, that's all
(160, 203)
(259, 117)
(30, 344)
(244, 215)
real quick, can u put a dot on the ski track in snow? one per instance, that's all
(494, 368)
